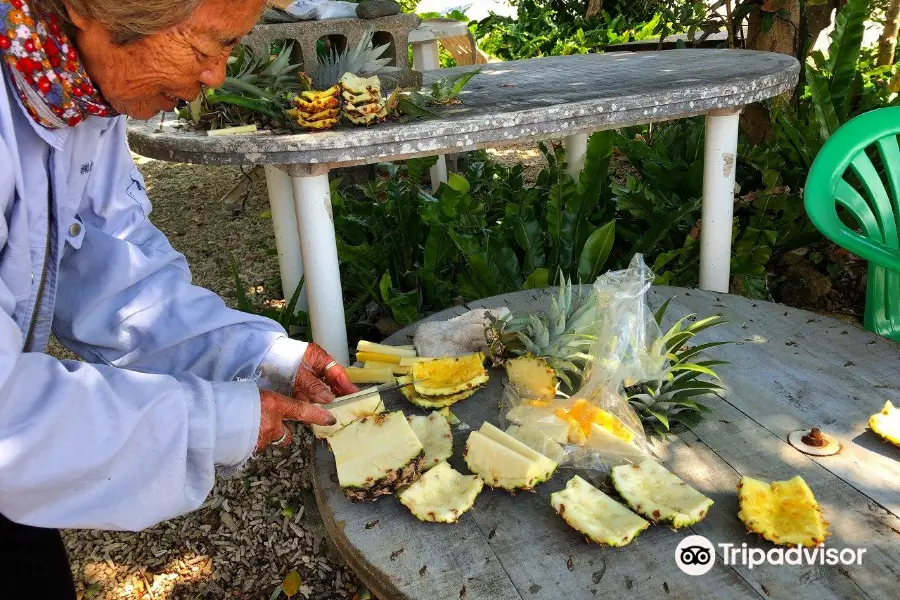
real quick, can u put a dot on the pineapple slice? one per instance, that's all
(363, 357)
(783, 512)
(345, 414)
(431, 402)
(591, 512)
(655, 493)
(504, 462)
(395, 369)
(434, 433)
(532, 377)
(360, 85)
(365, 119)
(359, 375)
(401, 351)
(446, 376)
(587, 414)
(602, 440)
(318, 105)
(886, 424)
(442, 494)
(536, 439)
(322, 96)
(376, 456)
(318, 125)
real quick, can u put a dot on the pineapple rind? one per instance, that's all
(441, 495)
(658, 495)
(447, 376)
(594, 514)
(433, 402)
(434, 433)
(376, 455)
(886, 424)
(783, 512)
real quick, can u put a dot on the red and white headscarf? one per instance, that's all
(45, 68)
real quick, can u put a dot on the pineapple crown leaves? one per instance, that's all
(364, 59)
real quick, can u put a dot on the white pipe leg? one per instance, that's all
(718, 201)
(439, 173)
(426, 56)
(312, 201)
(576, 153)
(287, 238)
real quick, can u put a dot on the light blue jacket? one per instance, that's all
(132, 436)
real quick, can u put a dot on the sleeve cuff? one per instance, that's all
(279, 366)
(237, 422)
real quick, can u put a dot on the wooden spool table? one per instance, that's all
(790, 370)
(548, 98)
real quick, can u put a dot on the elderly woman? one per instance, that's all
(174, 383)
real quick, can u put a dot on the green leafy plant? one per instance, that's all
(291, 320)
(672, 399)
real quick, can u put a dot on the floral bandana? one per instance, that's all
(45, 68)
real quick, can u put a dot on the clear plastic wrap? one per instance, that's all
(596, 428)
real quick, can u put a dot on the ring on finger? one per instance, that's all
(284, 436)
(330, 366)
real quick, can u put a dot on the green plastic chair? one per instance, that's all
(878, 215)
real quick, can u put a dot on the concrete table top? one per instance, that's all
(508, 102)
(788, 370)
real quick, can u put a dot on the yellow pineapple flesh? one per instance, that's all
(532, 377)
(783, 512)
(886, 424)
(448, 376)
(431, 402)
(586, 415)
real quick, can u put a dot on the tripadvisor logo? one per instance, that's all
(696, 555)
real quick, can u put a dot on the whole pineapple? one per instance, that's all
(559, 339)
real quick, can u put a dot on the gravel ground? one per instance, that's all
(261, 525)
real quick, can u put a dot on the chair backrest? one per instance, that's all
(877, 215)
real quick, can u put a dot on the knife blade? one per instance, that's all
(378, 389)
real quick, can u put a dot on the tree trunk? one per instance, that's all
(593, 8)
(782, 37)
(887, 45)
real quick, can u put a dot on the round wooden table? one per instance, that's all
(790, 370)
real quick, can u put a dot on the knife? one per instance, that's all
(378, 389)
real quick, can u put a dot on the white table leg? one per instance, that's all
(312, 202)
(576, 153)
(427, 58)
(287, 240)
(439, 173)
(718, 200)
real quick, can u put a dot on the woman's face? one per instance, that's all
(147, 76)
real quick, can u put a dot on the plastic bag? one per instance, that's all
(596, 428)
(320, 10)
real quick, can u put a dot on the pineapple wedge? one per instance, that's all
(543, 418)
(783, 512)
(441, 495)
(658, 495)
(360, 375)
(536, 439)
(587, 414)
(401, 351)
(432, 402)
(602, 440)
(591, 512)
(376, 456)
(532, 377)
(345, 414)
(434, 433)
(504, 462)
(886, 424)
(447, 376)
(364, 357)
(395, 369)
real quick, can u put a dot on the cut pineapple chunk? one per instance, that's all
(446, 376)
(532, 377)
(434, 433)
(359, 375)
(345, 414)
(376, 455)
(431, 402)
(783, 512)
(591, 512)
(655, 493)
(886, 424)
(401, 351)
(535, 438)
(604, 441)
(587, 414)
(408, 362)
(442, 494)
(542, 418)
(395, 369)
(576, 434)
(504, 462)
(364, 357)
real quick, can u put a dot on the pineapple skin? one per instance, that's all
(750, 489)
(886, 424)
(391, 482)
(675, 520)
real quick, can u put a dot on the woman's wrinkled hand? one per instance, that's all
(276, 409)
(320, 378)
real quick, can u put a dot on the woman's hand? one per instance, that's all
(320, 378)
(276, 409)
